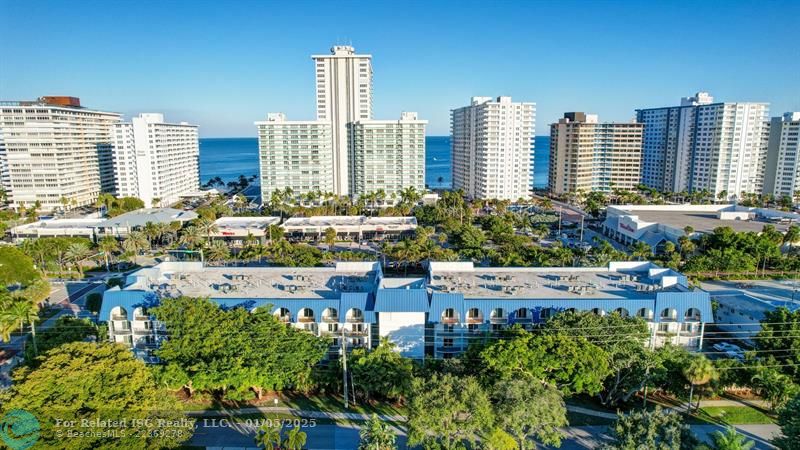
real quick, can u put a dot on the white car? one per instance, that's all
(727, 347)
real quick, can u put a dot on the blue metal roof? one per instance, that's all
(401, 300)
(126, 299)
(682, 301)
(360, 300)
(441, 301)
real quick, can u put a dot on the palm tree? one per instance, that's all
(274, 232)
(217, 251)
(108, 246)
(135, 243)
(698, 372)
(376, 435)
(207, 226)
(295, 439)
(330, 237)
(730, 440)
(191, 237)
(77, 252)
(22, 311)
(268, 436)
(641, 251)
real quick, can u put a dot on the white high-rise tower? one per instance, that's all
(344, 96)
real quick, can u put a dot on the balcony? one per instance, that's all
(356, 333)
(474, 320)
(142, 318)
(142, 331)
(499, 320)
(450, 320)
(121, 332)
(359, 319)
(305, 319)
(330, 319)
(118, 317)
(448, 349)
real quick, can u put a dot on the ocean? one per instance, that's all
(228, 158)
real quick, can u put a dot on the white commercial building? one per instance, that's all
(702, 145)
(55, 152)
(782, 175)
(344, 151)
(492, 144)
(156, 160)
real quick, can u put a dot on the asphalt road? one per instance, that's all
(331, 437)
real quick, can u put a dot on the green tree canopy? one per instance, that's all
(233, 352)
(447, 411)
(524, 410)
(572, 364)
(780, 337)
(16, 267)
(789, 421)
(96, 381)
(652, 430)
(623, 341)
(377, 435)
(381, 373)
(66, 329)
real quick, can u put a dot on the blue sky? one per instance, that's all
(224, 65)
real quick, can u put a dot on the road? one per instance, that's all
(216, 435)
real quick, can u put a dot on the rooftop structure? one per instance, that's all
(57, 227)
(243, 226)
(455, 302)
(350, 224)
(141, 217)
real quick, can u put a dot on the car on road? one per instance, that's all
(726, 347)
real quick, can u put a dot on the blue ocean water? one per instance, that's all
(228, 158)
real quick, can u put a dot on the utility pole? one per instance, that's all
(344, 366)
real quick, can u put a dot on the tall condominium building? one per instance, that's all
(702, 145)
(335, 161)
(344, 95)
(491, 143)
(53, 151)
(782, 174)
(295, 154)
(388, 154)
(154, 160)
(589, 156)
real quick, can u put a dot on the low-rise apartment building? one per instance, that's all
(433, 316)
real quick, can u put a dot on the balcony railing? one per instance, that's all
(122, 331)
(142, 318)
(330, 319)
(142, 331)
(474, 320)
(358, 319)
(499, 320)
(305, 319)
(356, 332)
(450, 320)
(448, 349)
(118, 317)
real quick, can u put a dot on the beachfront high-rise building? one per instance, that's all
(782, 174)
(589, 156)
(155, 160)
(332, 153)
(388, 155)
(703, 145)
(295, 154)
(55, 152)
(491, 142)
(344, 95)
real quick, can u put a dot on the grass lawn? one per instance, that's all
(731, 415)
